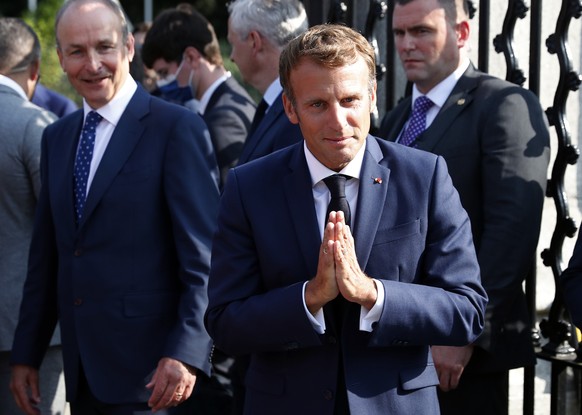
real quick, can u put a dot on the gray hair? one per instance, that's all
(277, 20)
(19, 45)
(111, 4)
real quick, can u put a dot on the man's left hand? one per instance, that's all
(450, 362)
(171, 384)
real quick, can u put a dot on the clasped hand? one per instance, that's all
(338, 271)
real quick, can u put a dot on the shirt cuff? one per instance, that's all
(369, 317)
(317, 320)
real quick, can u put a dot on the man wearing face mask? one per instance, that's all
(181, 46)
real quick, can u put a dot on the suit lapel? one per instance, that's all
(459, 99)
(299, 194)
(374, 181)
(124, 139)
(64, 151)
(253, 141)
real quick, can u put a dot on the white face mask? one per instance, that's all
(171, 77)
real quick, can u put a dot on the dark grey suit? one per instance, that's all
(494, 138)
(21, 126)
(228, 116)
(273, 133)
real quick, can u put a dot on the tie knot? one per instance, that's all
(336, 183)
(93, 118)
(422, 104)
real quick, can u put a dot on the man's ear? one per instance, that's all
(34, 71)
(192, 56)
(463, 32)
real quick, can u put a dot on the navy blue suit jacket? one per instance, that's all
(128, 284)
(411, 233)
(274, 132)
(51, 100)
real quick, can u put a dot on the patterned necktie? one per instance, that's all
(336, 184)
(83, 161)
(259, 114)
(417, 123)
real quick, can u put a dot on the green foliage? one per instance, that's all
(42, 21)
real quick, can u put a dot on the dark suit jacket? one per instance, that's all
(228, 115)
(494, 138)
(274, 132)
(128, 285)
(416, 242)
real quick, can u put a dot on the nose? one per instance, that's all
(93, 61)
(407, 42)
(338, 118)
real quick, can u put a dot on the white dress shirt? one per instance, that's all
(321, 198)
(111, 113)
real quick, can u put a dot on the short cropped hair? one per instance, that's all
(279, 21)
(451, 7)
(111, 4)
(328, 45)
(174, 30)
(19, 45)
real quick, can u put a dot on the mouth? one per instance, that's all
(96, 81)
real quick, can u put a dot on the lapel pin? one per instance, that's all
(377, 180)
(461, 101)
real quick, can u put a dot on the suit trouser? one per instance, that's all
(478, 394)
(51, 384)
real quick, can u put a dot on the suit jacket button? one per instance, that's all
(328, 395)
(78, 301)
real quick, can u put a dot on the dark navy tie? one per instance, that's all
(83, 161)
(417, 123)
(259, 115)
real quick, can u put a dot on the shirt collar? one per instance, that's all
(440, 92)
(10, 83)
(319, 172)
(113, 110)
(203, 103)
(272, 92)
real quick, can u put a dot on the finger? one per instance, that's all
(157, 395)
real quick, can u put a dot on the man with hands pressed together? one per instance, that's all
(338, 313)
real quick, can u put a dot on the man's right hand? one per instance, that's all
(323, 287)
(24, 387)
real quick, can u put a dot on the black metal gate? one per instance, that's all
(554, 340)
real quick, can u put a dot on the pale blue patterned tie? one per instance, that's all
(417, 123)
(83, 161)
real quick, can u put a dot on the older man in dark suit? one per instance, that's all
(494, 137)
(121, 245)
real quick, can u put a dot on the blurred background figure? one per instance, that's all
(145, 76)
(21, 126)
(181, 47)
(258, 30)
(51, 100)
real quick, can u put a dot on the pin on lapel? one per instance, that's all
(461, 101)
(377, 180)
